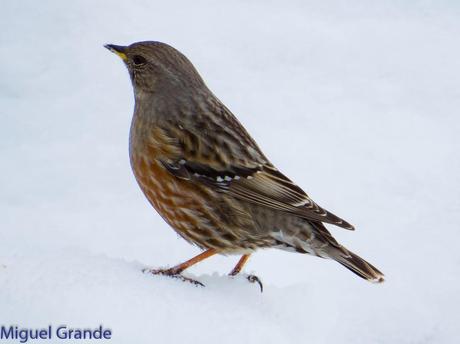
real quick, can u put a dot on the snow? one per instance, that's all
(355, 101)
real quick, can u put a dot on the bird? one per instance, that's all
(207, 177)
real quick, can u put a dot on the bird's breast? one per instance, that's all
(179, 202)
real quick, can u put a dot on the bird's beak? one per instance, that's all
(117, 49)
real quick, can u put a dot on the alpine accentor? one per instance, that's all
(206, 176)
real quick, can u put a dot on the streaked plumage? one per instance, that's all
(207, 177)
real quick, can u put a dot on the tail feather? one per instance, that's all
(357, 265)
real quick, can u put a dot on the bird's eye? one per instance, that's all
(139, 60)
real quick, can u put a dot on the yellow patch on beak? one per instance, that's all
(122, 55)
(117, 49)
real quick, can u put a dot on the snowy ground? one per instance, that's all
(357, 102)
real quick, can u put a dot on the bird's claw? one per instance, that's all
(173, 274)
(252, 279)
(255, 279)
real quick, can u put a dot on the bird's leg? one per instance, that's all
(251, 278)
(176, 271)
(243, 260)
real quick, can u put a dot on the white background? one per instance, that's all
(356, 101)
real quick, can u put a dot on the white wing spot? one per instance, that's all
(301, 204)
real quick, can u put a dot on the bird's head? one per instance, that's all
(156, 67)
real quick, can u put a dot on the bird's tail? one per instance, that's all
(357, 265)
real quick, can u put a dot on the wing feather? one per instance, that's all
(263, 185)
(231, 162)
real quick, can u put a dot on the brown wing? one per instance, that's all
(263, 185)
(216, 150)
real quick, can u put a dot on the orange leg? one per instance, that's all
(181, 267)
(175, 271)
(243, 260)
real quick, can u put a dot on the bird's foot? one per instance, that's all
(173, 274)
(255, 279)
(250, 278)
